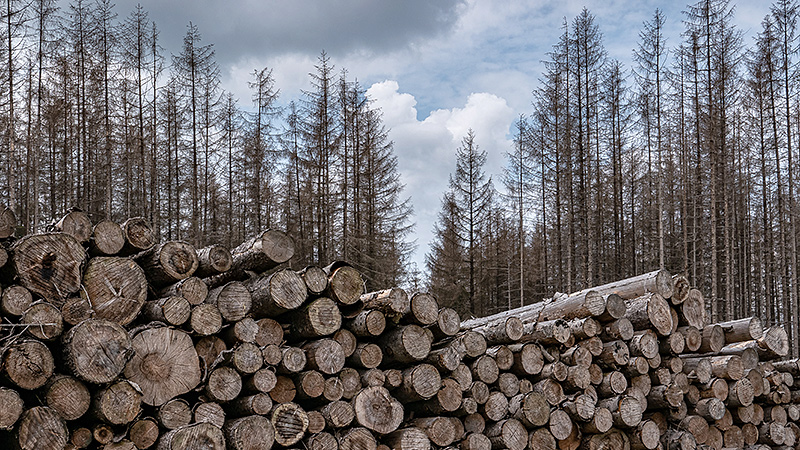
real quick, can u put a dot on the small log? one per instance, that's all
(315, 278)
(615, 353)
(560, 424)
(43, 321)
(410, 438)
(376, 410)
(601, 422)
(172, 310)
(320, 441)
(15, 300)
(119, 403)
(496, 407)
(213, 260)
(174, 414)
(276, 293)
(625, 410)
(357, 438)
(189, 437)
(485, 369)
(40, 427)
(447, 324)
(284, 390)
(615, 308)
(406, 344)
(551, 332)
(448, 399)
(270, 332)
(205, 319)
(345, 284)
(209, 350)
(614, 383)
(309, 384)
(76, 224)
(107, 239)
(644, 343)
(50, 265)
(581, 409)
(165, 364)
(445, 359)
(509, 434)
(233, 300)
(263, 380)
(366, 356)
(650, 310)
(775, 342)
(740, 393)
(508, 384)
(368, 323)
(139, 236)
(442, 431)
(503, 331)
(253, 432)
(13, 408)
(711, 409)
(259, 254)
(325, 355)
(208, 412)
(224, 384)
(167, 263)
(423, 310)
(293, 360)
(681, 289)
(693, 310)
(420, 382)
(646, 436)
(143, 432)
(75, 310)
(116, 288)
(713, 339)
(347, 340)
(337, 414)
(96, 351)
(742, 330)
(66, 395)
(245, 357)
(192, 289)
(620, 329)
(244, 330)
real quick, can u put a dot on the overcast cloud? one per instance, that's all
(435, 68)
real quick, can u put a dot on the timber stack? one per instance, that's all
(111, 340)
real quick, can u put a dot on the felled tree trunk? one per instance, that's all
(50, 265)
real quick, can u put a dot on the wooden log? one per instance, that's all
(366, 356)
(42, 321)
(346, 339)
(320, 317)
(224, 384)
(96, 351)
(244, 330)
(103, 433)
(320, 441)
(740, 393)
(394, 303)
(447, 323)
(501, 331)
(496, 407)
(116, 288)
(368, 323)
(191, 436)
(8, 222)
(615, 308)
(646, 436)
(445, 359)
(560, 424)
(581, 408)
(625, 410)
(509, 434)
(337, 414)
(503, 356)
(13, 408)
(650, 311)
(406, 344)
(263, 380)
(713, 339)
(528, 359)
(775, 342)
(681, 289)
(245, 357)
(541, 439)
(710, 408)
(620, 329)
(693, 310)
(253, 432)
(192, 289)
(614, 383)
(441, 431)
(315, 278)
(293, 360)
(409, 438)
(233, 300)
(742, 329)
(259, 254)
(174, 414)
(325, 355)
(213, 260)
(615, 353)
(601, 421)
(729, 367)
(644, 343)
(284, 390)
(209, 412)
(50, 265)
(276, 293)
(357, 438)
(118, 403)
(66, 395)
(270, 332)
(172, 310)
(165, 364)
(658, 282)
(423, 310)
(139, 236)
(107, 239)
(420, 382)
(76, 224)
(485, 369)
(169, 262)
(40, 427)
(551, 332)
(143, 433)
(508, 384)
(210, 350)
(15, 300)
(376, 410)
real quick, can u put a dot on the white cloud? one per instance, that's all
(426, 148)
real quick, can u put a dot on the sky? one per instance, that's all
(434, 68)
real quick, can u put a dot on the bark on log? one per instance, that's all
(167, 263)
(50, 265)
(745, 329)
(139, 236)
(192, 289)
(650, 311)
(276, 293)
(258, 254)
(213, 260)
(357, 439)
(394, 303)
(367, 323)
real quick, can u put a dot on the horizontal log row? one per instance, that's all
(114, 341)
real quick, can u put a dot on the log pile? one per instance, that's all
(111, 340)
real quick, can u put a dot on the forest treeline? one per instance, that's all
(687, 160)
(98, 116)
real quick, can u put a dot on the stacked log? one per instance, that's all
(112, 340)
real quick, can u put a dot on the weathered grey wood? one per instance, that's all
(376, 410)
(259, 254)
(49, 264)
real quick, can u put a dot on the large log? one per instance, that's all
(116, 288)
(164, 365)
(39, 428)
(50, 265)
(139, 236)
(96, 350)
(742, 329)
(76, 224)
(657, 282)
(276, 293)
(213, 260)
(107, 239)
(376, 410)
